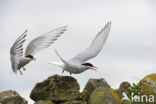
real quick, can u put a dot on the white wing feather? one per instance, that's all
(63, 60)
(16, 51)
(44, 41)
(95, 47)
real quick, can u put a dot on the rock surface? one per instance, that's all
(44, 102)
(91, 85)
(56, 88)
(126, 102)
(147, 86)
(65, 90)
(75, 102)
(11, 97)
(104, 95)
(124, 87)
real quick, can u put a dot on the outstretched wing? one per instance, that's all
(44, 41)
(16, 51)
(63, 60)
(95, 47)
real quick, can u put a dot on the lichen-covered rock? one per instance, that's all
(11, 97)
(104, 95)
(75, 102)
(44, 102)
(56, 88)
(124, 87)
(91, 85)
(147, 86)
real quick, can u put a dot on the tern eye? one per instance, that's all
(87, 64)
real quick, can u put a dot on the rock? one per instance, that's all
(91, 85)
(75, 102)
(104, 95)
(124, 87)
(56, 88)
(11, 97)
(44, 102)
(147, 86)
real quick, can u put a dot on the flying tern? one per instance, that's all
(18, 60)
(78, 63)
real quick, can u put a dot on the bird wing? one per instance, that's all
(44, 41)
(95, 47)
(63, 60)
(14, 63)
(16, 51)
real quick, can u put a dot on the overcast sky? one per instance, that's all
(128, 55)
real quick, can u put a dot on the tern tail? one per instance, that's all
(57, 64)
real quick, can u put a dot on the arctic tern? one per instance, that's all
(18, 60)
(78, 63)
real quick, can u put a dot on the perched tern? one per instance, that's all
(78, 63)
(18, 60)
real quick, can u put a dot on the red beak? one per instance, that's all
(94, 68)
(34, 59)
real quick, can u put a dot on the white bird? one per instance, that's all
(78, 63)
(18, 60)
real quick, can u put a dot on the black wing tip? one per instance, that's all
(65, 26)
(26, 31)
(109, 23)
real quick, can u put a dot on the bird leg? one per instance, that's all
(21, 72)
(62, 71)
(24, 69)
(70, 73)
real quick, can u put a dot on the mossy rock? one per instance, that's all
(124, 87)
(147, 86)
(56, 88)
(91, 85)
(44, 102)
(75, 102)
(11, 97)
(104, 95)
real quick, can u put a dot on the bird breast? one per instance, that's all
(23, 62)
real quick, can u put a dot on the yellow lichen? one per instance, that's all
(151, 76)
(127, 85)
(115, 95)
(97, 95)
(83, 93)
(146, 89)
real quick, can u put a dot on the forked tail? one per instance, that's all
(56, 63)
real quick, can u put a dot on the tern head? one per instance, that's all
(89, 66)
(30, 57)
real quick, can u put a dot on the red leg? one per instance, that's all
(62, 71)
(21, 72)
(70, 73)
(24, 69)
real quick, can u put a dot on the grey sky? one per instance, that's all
(128, 55)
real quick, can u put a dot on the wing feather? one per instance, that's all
(16, 51)
(44, 41)
(95, 47)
